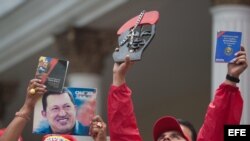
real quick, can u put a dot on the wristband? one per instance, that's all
(22, 115)
(233, 79)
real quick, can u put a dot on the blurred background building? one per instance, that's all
(177, 75)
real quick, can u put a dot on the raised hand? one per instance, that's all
(34, 91)
(98, 129)
(239, 64)
(120, 70)
(15, 128)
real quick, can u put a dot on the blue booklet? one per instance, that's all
(228, 43)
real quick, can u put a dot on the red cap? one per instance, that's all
(167, 123)
(58, 138)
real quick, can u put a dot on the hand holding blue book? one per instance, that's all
(228, 43)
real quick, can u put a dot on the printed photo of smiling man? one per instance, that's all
(57, 113)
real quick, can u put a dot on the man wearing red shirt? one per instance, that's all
(226, 108)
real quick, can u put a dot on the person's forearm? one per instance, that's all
(101, 137)
(228, 82)
(121, 115)
(226, 108)
(15, 128)
(118, 79)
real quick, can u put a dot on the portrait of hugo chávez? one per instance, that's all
(58, 115)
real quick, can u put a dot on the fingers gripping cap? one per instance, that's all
(167, 123)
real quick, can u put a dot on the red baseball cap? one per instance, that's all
(58, 138)
(167, 123)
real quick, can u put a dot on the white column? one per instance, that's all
(232, 18)
(87, 80)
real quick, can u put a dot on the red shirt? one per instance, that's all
(226, 108)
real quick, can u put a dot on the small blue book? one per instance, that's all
(228, 43)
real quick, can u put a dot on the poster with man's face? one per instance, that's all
(69, 112)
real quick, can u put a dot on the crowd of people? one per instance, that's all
(225, 108)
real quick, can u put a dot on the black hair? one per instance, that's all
(190, 127)
(48, 93)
